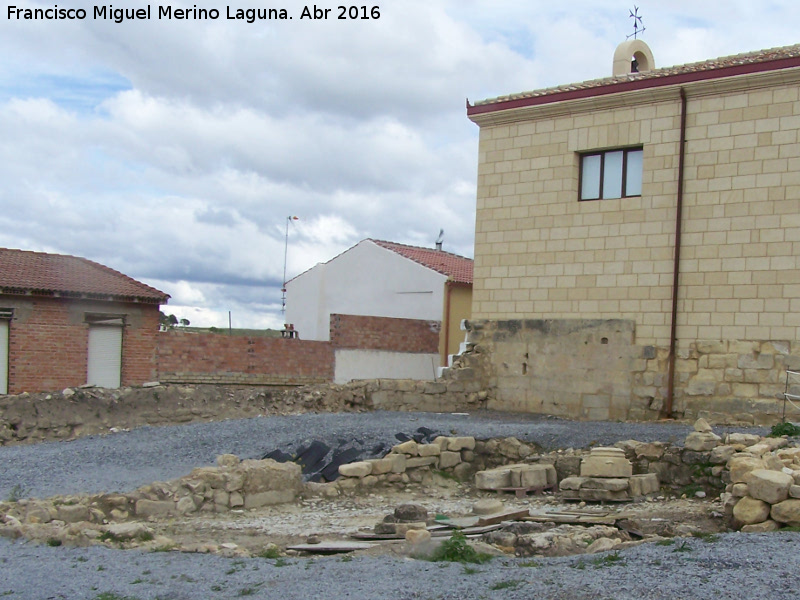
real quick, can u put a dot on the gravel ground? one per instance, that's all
(123, 461)
(759, 566)
(735, 566)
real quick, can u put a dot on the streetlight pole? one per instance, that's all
(289, 219)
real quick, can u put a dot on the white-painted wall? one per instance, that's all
(365, 280)
(377, 364)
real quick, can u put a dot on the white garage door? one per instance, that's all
(105, 356)
(3, 356)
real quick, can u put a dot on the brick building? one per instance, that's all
(638, 239)
(67, 321)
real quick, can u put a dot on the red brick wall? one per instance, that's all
(48, 343)
(219, 358)
(384, 333)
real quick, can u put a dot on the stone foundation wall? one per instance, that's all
(594, 369)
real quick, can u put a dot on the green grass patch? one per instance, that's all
(667, 542)
(113, 596)
(54, 542)
(271, 552)
(608, 560)
(457, 549)
(708, 538)
(530, 564)
(510, 584)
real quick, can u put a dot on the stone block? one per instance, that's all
(154, 508)
(185, 505)
(787, 512)
(72, 513)
(741, 466)
(606, 462)
(794, 491)
(398, 462)
(488, 506)
(357, 469)
(449, 459)
(529, 477)
(493, 479)
(269, 475)
(403, 528)
(422, 461)
(418, 536)
(756, 361)
(594, 495)
(765, 527)
(606, 483)
(642, 485)
(769, 486)
(652, 451)
(455, 444)
(381, 466)
(701, 441)
(269, 498)
(409, 448)
(721, 455)
(750, 510)
(429, 450)
(739, 490)
(571, 483)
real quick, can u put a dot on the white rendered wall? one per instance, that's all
(377, 364)
(365, 280)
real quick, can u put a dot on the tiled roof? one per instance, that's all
(762, 60)
(39, 273)
(457, 268)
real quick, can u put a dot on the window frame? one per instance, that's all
(626, 150)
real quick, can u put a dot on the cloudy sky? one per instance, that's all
(174, 150)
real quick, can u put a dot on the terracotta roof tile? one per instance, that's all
(457, 268)
(711, 68)
(39, 273)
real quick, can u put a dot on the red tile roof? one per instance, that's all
(457, 268)
(727, 66)
(39, 273)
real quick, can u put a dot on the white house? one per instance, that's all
(387, 280)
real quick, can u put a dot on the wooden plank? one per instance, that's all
(515, 515)
(331, 547)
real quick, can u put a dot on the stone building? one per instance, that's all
(637, 240)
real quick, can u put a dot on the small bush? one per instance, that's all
(781, 429)
(511, 584)
(457, 549)
(54, 542)
(271, 552)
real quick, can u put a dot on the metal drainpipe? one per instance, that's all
(667, 409)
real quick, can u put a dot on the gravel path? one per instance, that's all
(756, 566)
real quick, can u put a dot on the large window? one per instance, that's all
(611, 174)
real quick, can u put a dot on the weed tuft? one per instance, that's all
(510, 584)
(457, 549)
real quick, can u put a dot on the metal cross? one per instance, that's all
(637, 22)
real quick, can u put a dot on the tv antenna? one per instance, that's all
(638, 24)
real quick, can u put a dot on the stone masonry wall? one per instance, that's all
(594, 369)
